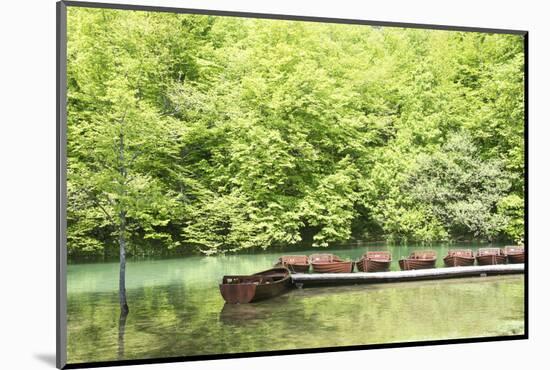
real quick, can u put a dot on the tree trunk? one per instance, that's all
(122, 277)
(122, 230)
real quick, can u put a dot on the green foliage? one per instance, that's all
(511, 208)
(461, 190)
(217, 133)
(121, 145)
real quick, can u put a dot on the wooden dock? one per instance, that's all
(411, 275)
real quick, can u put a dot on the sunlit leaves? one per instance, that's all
(250, 133)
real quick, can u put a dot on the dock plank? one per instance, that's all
(410, 275)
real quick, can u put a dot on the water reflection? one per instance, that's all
(176, 310)
(232, 314)
(121, 330)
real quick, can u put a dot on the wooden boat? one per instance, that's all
(376, 261)
(490, 256)
(515, 253)
(418, 260)
(323, 263)
(459, 257)
(252, 288)
(294, 263)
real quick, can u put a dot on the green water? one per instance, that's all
(176, 310)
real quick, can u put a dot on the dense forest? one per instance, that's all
(192, 133)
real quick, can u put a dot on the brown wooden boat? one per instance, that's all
(252, 288)
(294, 263)
(459, 257)
(325, 262)
(375, 261)
(515, 253)
(418, 260)
(490, 256)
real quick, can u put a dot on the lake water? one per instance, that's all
(176, 309)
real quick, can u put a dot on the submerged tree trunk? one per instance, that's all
(122, 277)
(121, 331)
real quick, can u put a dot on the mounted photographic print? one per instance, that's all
(236, 184)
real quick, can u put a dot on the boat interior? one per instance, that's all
(323, 258)
(423, 255)
(513, 249)
(382, 256)
(489, 252)
(253, 279)
(461, 253)
(298, 260)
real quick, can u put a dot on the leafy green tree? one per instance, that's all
(121, 145)
(460, 189)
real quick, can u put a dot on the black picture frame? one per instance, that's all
(61, 177)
